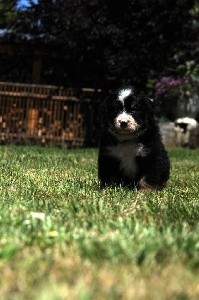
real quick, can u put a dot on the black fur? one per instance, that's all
(133, 157)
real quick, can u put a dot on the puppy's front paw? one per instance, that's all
(145, 186)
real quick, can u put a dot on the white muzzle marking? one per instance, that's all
(126, 122)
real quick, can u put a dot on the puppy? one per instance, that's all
(131, 152)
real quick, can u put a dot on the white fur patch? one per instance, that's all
(124, 93)
(132, 125)
(126, 153)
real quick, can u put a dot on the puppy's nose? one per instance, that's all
(123, 124)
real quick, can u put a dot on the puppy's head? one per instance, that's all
(127, 112)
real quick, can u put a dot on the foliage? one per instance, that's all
(171, 87)
(7, 12)
(62, 237)
(173, 92)
(105, 43)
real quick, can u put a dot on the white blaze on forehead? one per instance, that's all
(124, 93)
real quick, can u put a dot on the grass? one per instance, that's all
(61, 237)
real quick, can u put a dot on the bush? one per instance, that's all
(177, 96)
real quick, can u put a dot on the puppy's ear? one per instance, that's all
(103, 108)
(151, 110)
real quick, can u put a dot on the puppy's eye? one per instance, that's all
(135, 109)
(136, 112)
(129, 103)
(133, 106)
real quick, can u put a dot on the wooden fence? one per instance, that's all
(43, 114)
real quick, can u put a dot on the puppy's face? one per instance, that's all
(128, 112)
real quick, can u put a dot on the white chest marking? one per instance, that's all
(126, 154)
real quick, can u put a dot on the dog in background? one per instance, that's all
(131, 152)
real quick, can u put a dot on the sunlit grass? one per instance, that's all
(61, 236)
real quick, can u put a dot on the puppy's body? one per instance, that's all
(131, 152)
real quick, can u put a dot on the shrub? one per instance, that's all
(177, 96)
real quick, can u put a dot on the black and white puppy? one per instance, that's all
(131, 152)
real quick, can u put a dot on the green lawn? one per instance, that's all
(61, 237)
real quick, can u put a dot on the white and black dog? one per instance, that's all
(131, 152)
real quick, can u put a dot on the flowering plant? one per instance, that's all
(171, 87)
(173, 94)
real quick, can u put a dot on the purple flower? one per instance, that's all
(186, 79)
(169, 86)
